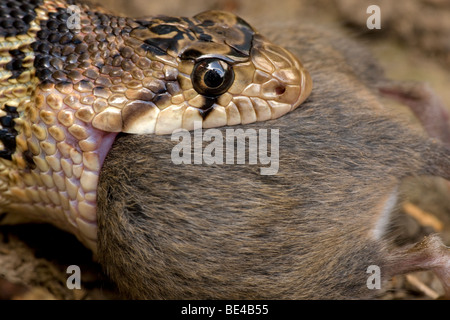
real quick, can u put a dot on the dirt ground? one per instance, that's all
(412, 44)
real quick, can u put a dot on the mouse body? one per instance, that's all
(316, 229)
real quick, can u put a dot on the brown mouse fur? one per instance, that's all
(227, 232)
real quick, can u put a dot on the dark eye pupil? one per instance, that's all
(213, 78)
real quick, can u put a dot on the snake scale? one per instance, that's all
(67, 90)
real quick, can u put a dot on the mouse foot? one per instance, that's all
(429, 254)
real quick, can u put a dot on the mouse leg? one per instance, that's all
(424, 103)
(429, 254)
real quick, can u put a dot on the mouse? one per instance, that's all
(317, 228)
(198, 159)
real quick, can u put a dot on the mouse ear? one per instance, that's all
(429, 254)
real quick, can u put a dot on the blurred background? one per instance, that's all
(413, 42)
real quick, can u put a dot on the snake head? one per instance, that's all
(217, 70)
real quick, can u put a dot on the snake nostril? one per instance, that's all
(280, 90)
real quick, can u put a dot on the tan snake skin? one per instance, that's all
(71, 78)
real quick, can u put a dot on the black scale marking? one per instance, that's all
(8, 133)
(15, 19)
(15, 65)
(16, 16)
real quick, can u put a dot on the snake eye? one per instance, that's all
(212, 77)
